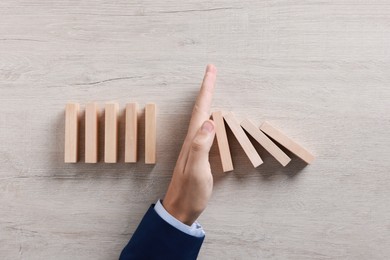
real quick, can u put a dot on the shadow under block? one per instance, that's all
(223, 144)
(111, 133)
(264, 141)
(91, 132)
(71, 132)
(150, 134)
(288, 143)
(243, 139)
(131, 133)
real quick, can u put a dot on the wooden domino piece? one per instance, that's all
(223, 144)
(288, 143)
(150, 133)
(131, 133)
(243, 139)
(111, 133)
(267, 143)
(91, 132)
(71, 132)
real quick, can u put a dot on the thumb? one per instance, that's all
(202, 143)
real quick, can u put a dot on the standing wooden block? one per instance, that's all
(150, 134)
(131, 133)
(91, 132)
(111, 133)
(243, 139)
(223, 144)
(268, 145)
(71, 132)
(292, 146)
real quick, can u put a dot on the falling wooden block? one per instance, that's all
(285, 141)
(243, 139)
(267, 143)
(71, 132)
(111, 133)
(131, 133)
(91, 132)
(150, 134)
(223, 144)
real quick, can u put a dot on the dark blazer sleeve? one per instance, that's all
(156, 239)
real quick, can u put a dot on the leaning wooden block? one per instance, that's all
(268, 145)
(223, 144)
(289, 144)
(243, 139)
(131, 133)
(111, 133)
(71, 132)
(150, 134)
(91, 132)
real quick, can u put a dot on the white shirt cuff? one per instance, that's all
(195, 229)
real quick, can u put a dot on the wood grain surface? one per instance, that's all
(319, 70)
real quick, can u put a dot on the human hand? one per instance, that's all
(192, 181)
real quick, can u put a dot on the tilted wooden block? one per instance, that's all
(111, 133)
(223, 144)
(71, 132)
(91, 132)
(131, 133)
(150, 134)
(288, 143)
(267, 143)
(243, 139)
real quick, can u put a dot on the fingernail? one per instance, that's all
(207, 127)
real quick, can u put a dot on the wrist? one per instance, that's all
(179, 212)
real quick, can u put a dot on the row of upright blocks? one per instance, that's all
(72, 112)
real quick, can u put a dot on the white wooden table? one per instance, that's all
(320, 70)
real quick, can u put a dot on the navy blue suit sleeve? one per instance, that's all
(156, 239)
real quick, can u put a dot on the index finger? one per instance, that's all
(200, 113)
(201, 110)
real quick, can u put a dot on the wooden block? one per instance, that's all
(267, 143)
(243, 139)
(91, 132)
(131, 133)
(71, 132)
(292, 146)
(111, 133)
(223, 144)
(150, 134)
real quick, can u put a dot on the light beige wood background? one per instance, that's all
(320, 70)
